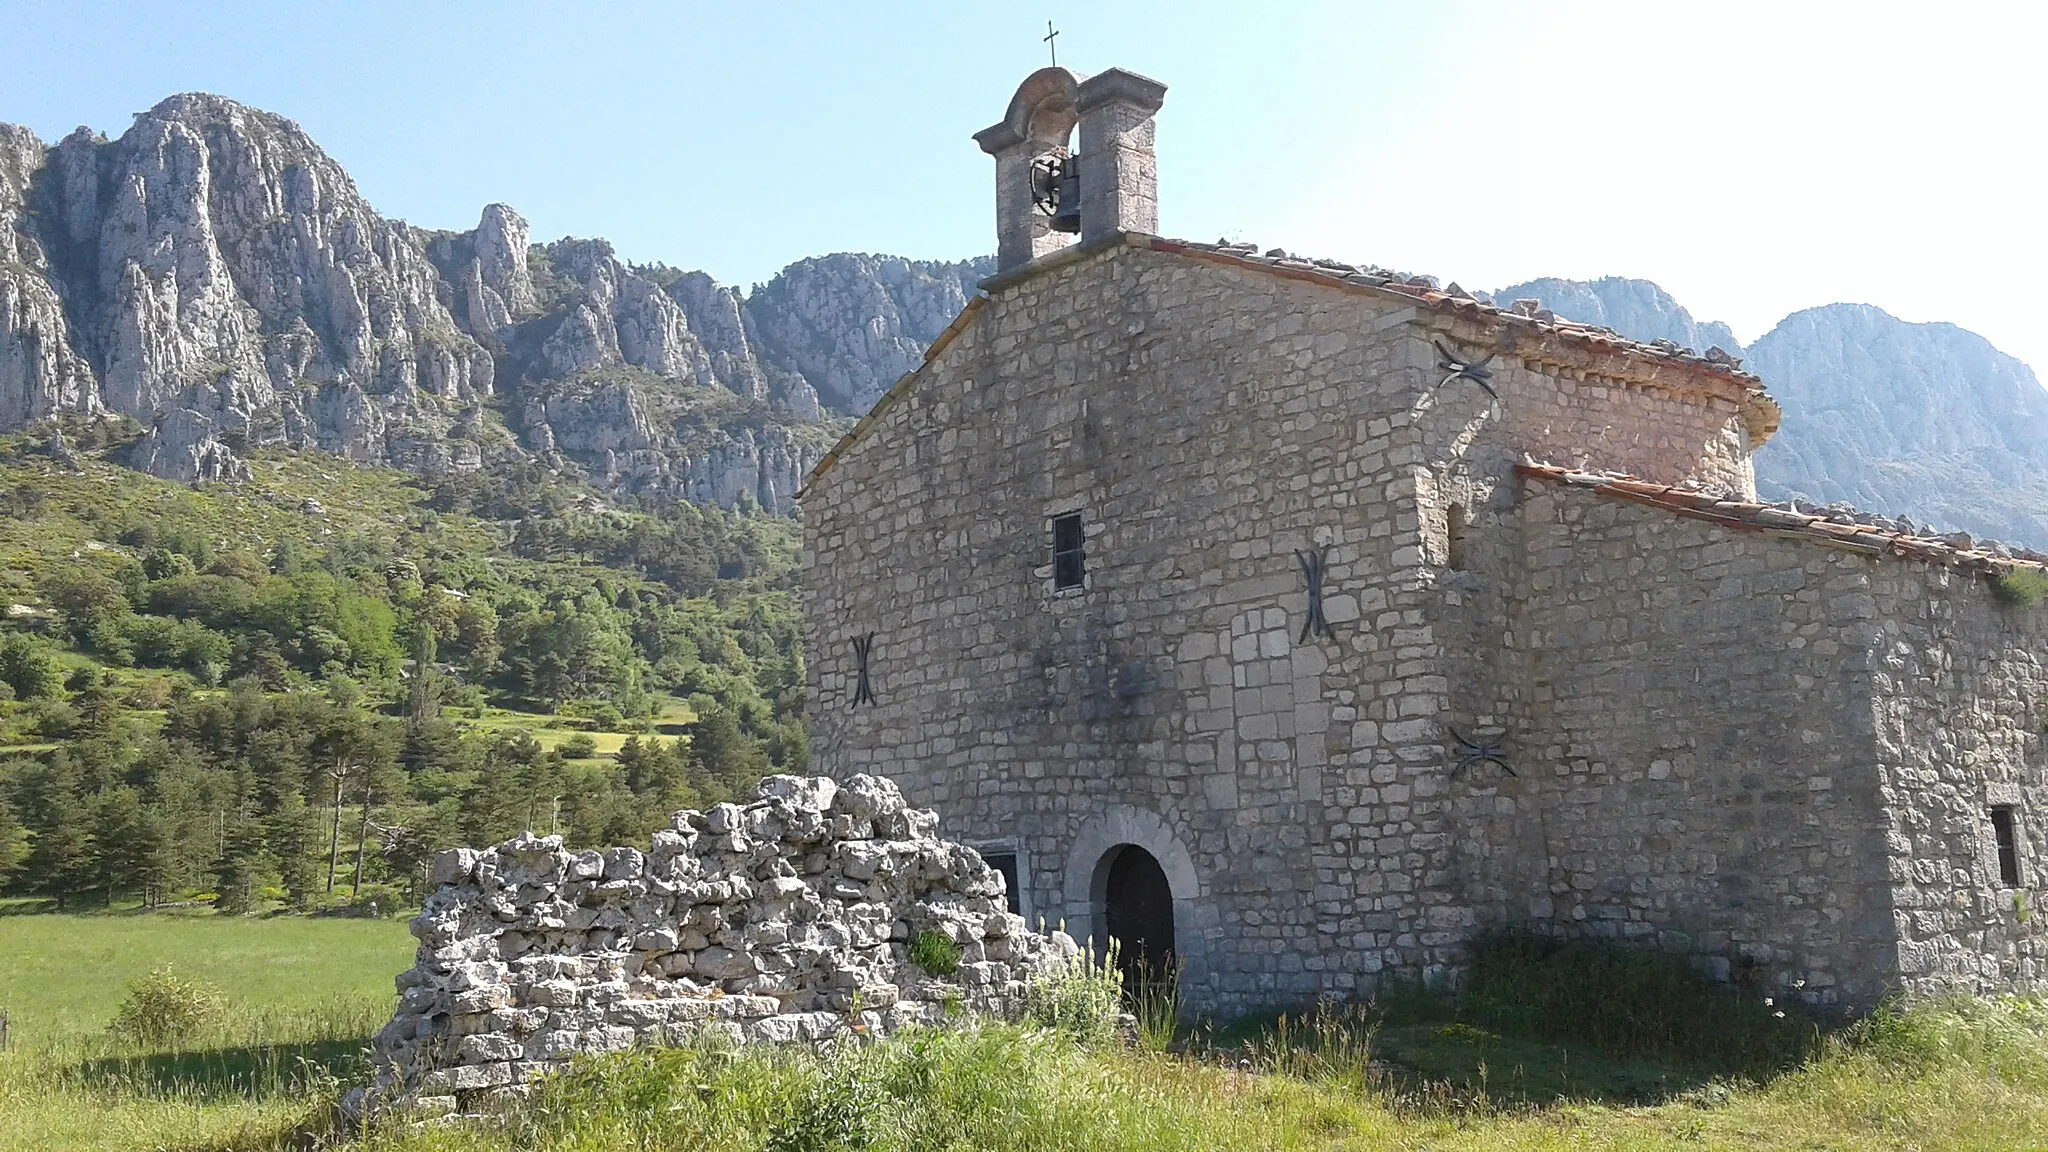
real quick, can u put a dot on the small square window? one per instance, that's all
(1069, 564)
(1006, 863)
(2006, 833)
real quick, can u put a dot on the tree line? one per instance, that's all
(194, 713)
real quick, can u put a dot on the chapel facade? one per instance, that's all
(1293, 622)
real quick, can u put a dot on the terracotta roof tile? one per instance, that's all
(1837, 526)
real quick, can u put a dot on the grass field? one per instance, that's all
(306, 994)
(61, 977)
(304, 997)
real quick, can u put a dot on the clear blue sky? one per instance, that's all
(1753, 159)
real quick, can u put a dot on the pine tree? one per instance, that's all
(238, 871)
(61, 861)
(10, 832)
(422, 703)
(349, 748)
(292, 836)
(726, 757)
(379, 781)
(155, 856)
(121, 856)
(26, 667)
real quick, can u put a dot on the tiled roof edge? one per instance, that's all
(1760, 412)
(1861, 533)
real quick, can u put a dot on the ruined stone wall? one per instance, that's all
(1961, 694)
(1209, 422)
(1775, 755)
(790, 918)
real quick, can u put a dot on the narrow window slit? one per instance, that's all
(2004, 831)
(1313, 563)
(1457, 526)
(1069, 563)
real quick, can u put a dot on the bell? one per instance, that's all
(1066, 216)
(1056, 190)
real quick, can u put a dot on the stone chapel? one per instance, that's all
(1292, 622)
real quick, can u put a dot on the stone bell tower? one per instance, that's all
(1046, 193)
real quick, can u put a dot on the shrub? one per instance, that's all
(935, 952)
(384, 899)
(579, 747)
(1083, 999)
(27, 667)
(164, 1007)
(2023, 587)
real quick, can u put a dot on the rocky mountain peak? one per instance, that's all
(217, 277)
(1894, 416)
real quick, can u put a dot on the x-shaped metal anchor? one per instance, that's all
(863, 647)
(1472, 752)
(1456, 366)
(1312, 564)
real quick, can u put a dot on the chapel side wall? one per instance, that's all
(1693, 742)
(1962, 700)
(1209, 422)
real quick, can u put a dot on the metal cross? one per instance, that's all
(1050, 44)
(1456, 366)
(1312, 564)
(862, 692)
(1472, 752)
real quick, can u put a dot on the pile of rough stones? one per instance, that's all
(790, 918)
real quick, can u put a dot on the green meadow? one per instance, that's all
(1580, 1050)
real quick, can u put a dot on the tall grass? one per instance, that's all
(249, 1079)
(1947, 1075)
(987, 1088)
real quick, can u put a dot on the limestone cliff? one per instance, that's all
(1928, 420)
(216, 277)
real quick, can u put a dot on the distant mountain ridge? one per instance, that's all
(215, 276)
(1923, 420)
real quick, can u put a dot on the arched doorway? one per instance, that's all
(1137, 913)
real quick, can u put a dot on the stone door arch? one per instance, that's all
(1137, 914)
(1131, 853)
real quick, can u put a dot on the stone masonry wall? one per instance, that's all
(1209, 422)
(1691, 722)
(787, 919)
(1775, 755)
(1961, 693)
